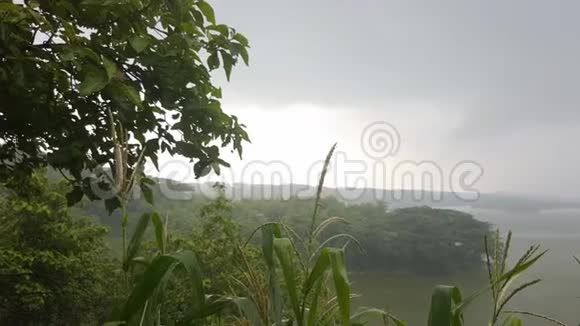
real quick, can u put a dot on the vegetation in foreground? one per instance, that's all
(212, 276)
(87, 84)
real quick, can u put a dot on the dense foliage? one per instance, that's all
(54, 268)
(415, 240)
(61, 274)
(419, 240)
(217, 242)
(72, 71)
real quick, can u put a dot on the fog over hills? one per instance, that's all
(507, 202)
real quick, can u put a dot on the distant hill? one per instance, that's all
(394, 198)
(507, 202)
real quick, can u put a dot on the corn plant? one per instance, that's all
(149, 279)
(145, 280)
(500, 281)
(299, 272)
(447, 304)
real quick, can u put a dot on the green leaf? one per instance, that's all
(321, 266)
(95, 79)
(147, 193)
(269, 233)
(111, 204)
(189, 261)
(67, 53)
(285, 251)
(88, 53)
(74, 196)
(136, 239)
(151, 279)
(242, 39)
(213, 61)
(341, 284)
(139, 43)
(245, 56)
(110, 67)
(215, 166)
(228, 63)
(315, 281)
(207, 11)
(155, 278)
(159, 231)
(443, 303)
(314, 303)
(201, 168)
(206, 310)
(188, 149)
(126, 91)
(222, 29)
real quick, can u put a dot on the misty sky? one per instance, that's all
(496, 82)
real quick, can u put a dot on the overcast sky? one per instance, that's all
(495, 82)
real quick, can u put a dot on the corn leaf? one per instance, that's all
(341, 284)
(136, 238)
(284, 251)
(443, 307)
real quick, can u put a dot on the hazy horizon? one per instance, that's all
(488, 81)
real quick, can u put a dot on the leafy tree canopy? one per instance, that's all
(77, 77)
(54, 268)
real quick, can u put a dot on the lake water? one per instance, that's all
(558, 295)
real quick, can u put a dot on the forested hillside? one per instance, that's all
(415, 239)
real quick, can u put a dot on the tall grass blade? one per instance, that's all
(536, 315)
(319, 195)
(334, 237)
(506, 250)
(489, 267)
(518, 269)
(516, 291)
(326, 223)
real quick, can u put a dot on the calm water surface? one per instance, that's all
(408, 296)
